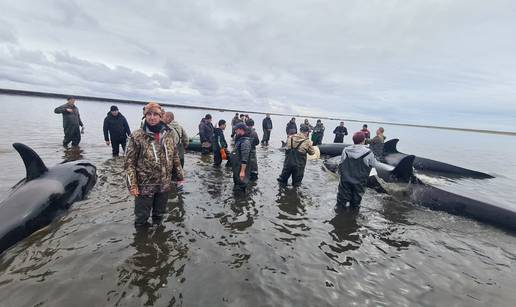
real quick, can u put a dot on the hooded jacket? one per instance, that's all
(305, 148)
(358, 150)
(149, 163)
(116, 128)
(291, 127)
(205, 130)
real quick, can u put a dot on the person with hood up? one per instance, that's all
(267, 128)
(150, 161)
(71, 122)
(206, 134)
(318, 133)
(240, 157)
(116, 130)
(354, 169)
(255, 141)
(340, 131)
(298, 146)
(291, 127)
(219, 142)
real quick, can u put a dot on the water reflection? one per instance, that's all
(345, 237)
(159, 259)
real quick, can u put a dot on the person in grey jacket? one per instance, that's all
(356, 164)
(71, 122)
(240, 158)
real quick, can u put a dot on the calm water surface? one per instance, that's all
(275, 247)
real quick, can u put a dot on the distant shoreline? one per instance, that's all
(140, 102)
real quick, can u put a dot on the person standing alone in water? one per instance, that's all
(150, 161)
(116, 130)
(356, 164)
(298, 146)
(267, 128)
(71, 122)
(340, 131)
(240, 158)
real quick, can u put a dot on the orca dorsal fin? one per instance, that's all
(390, 146)
(404, 171)
(33, 163)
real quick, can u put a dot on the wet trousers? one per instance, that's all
(350, 192)
(297, 172)
(72, 134)
(339, 138)
(115, 146)
(266, 137)
(253, 164)
(143, 205)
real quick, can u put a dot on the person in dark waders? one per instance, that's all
(355, 166)
(298, 146)
(255, 141)
(240, 157)
(219, 143)
(71, 122)
(116, 130)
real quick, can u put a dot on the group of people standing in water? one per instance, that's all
(154, 153)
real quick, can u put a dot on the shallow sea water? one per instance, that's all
(273, 247)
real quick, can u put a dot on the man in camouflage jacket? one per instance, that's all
(150, 160)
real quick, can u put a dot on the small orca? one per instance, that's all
(393, 157)
(42, 195)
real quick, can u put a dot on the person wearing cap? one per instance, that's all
(267, 128)
(206, 134)
(150, 161)
(377, 143)
(240, 157)
(356, 164)
(366, 132)
(255, 141)
(182, 139)
(219, 143)
(116, 130)
(71, 122)
(340, 131)
(318, 133)
(298, 146)
(291, 127)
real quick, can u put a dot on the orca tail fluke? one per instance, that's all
(404, 171)
(34, 166)
(390, 146)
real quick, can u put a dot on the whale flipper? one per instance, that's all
(33, 163)
(404, 171)
(390, 146)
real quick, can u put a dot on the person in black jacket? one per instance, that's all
(253, 161)
(267, 127)
(71, 122)
(340, 131)
(116, 129)
(219, 142)
(291, 127)
(206, 134)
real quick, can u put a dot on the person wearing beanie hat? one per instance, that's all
(206, 134)
(240, 158)
(354, 169)
(298, 146)
(71, 122)
(253, 163)
(116, 130)
(340, 131)
(150, 161)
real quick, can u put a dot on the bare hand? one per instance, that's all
(134, 191)
(107, 143)
(69, 110)
(242, 176)
(82, 130)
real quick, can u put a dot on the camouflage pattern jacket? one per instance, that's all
(305, 148)
(149, 164)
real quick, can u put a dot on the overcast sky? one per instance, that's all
(443, 62)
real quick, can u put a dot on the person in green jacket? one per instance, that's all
(71, 122)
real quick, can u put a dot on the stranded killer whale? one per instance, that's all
(393, 156)
(409, 188)
(42, 195)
